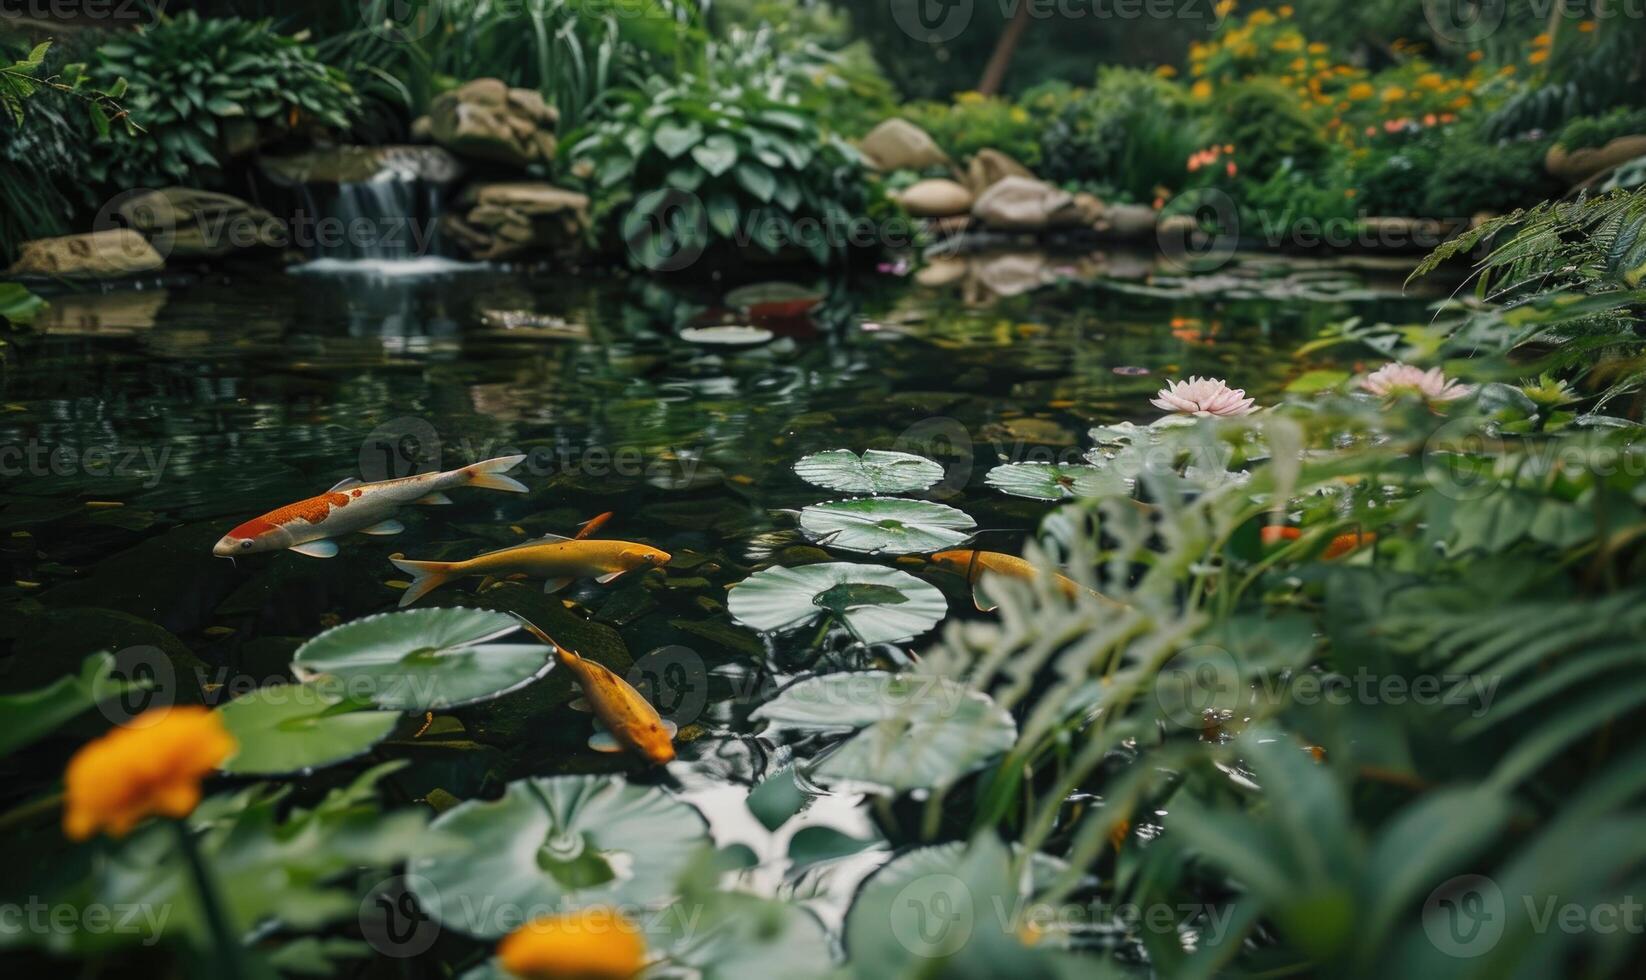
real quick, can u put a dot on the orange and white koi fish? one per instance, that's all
(631, 724)
(972, 564)
(306, 526)
(558, 560)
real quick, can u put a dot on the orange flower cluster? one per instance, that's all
(591, 944)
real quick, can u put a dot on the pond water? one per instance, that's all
(147, 423)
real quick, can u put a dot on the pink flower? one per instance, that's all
(1392, 380)
(1203, 396)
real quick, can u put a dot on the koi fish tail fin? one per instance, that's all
(488, 475)
(426, 577)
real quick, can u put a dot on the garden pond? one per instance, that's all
(149, 422)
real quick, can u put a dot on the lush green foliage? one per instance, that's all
(1127, 137)
(1591, 131)
(689, 167)
(974, 122)
(198, 86)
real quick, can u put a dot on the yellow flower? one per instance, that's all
(153, 764)
(970, 98)
(1289, 42)
(1538, 57)
(1393, 93)
(1286, 10)
(1201, 89)
(1476, 55)
(1586, 26)
(1542, 41)
(1261, 17)
(1319, 47)
(1298, 64)
(592, 944)
(1431, 80)
(1506, 70)
(1166, 71)
(1361, 91)
(1224, 7)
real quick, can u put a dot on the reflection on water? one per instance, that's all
(138, 426)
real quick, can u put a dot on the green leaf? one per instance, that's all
(883, 605)
(715, 154)
(676, 138)
(19, 305)
(876, 471)
(424, 659)
(1054, 481)
(723, 213)
(756, 179)
(34, 714)
(886, 525)
(289, 728)
(559, 843)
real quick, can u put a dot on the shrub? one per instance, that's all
(1129, 136)
(743, 169)
(191, 80)
(1474, 175)
(1592, 131)
(974, 122)
(1267, 128)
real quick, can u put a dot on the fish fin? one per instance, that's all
(592, 525)
(345, 483)
(546, 539)
(553, 585)
(488, 475)
(426, 576)
(981, 599)
(317, 549)
(434, 498)
(611, 577)
(390, 526)
(581, 704)
(670, 727)
(604, 742)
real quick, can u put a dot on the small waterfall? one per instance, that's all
(370, 210)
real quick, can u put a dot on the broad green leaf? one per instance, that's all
(32, 715)
(715, 154)
(292, 728)
(886, 525)
(878, 605)
(1054, 481)
(876, 471)
(675, 138)
(424, 659)
(557, 843)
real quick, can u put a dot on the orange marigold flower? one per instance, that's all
(1273, 534)
(1166, 71)
(1542, 41)
(1361, 91)
(1201, 89)
(592, 944)
(1539, 56)
(1476, 55)
(1393, 93)
(151, 765)
(1586, 26)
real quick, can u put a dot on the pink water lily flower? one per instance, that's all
(1203, 396)
(1396, 379)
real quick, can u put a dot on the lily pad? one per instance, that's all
(731, 336)
(1053, 481)
(424, 659)
(288, 728)
(917, 732)
(879, 605)
(560, 843)
(876, 471)
(886, 525)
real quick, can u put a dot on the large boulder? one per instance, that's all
(188, 222)
(935, 199)
(1026, 204)
(504, 219)
(107, 254)
(898, 144)
(1129, 221)
(486, 120)
(1577, 166)
(989, 167)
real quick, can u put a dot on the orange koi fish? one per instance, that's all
(972, 564)
(306, 526)
(631, 723)
(558, 560)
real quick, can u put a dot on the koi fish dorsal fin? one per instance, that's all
(345, 483)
